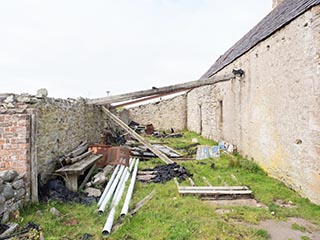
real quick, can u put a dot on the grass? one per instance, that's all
(170, 216)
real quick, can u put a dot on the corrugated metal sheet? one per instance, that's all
(282, 15)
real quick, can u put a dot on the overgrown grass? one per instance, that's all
(170, 216)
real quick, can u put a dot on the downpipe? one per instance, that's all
(116, 199)
(115, 171)
(111, 190)
(126, 203)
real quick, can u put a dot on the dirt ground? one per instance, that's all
(283, 230)
(278, 230)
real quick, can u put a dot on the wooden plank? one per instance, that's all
(79, 167)
(78, 158)
(216, 192)
(87, 177)
(34, 161)
(191, 182)
(199, 188)
(118, 121)
(162, 90)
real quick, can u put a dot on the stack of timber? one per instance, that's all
(76, 155)
(216, 192)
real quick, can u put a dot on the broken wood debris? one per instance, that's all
(118, 121)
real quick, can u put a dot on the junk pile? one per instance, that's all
(204, 151)
(163, 173)
(29, 231)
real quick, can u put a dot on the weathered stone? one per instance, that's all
(20, 176)
(42, 93)
(5, 217)
(9, 99)
(2, 199)
(7, 192)
(163, 115)
(55, 212)
(1, 185)
(10, 105)
(3, 207)
(93, 192)
(8, 175)
(15, 206)
(18, 184)
(19, 194)
(39, 213)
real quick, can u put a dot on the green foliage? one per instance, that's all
(295, 226)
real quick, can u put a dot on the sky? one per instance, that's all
(82, 48)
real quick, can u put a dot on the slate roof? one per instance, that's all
(282, 15)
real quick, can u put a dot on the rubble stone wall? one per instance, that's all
(60, 126)
(272, 114)
(12, 194)
(164, 115)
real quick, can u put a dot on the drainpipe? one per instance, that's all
(111, 190)
(126, 203)
(116, 199)
(108, 185)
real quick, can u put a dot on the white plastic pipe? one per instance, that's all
(126, 203)
(111, 190)
(116, 199)
(115, 171)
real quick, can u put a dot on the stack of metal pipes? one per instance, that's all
(114, 190)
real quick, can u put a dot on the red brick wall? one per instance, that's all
(15, 142)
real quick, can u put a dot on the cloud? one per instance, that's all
(84, 48)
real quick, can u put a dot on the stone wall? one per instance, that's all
(60, 125)
(12, 193)
(164, 115)
(272, 114)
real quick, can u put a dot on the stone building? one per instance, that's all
(271, 112)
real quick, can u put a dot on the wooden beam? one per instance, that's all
(34, 160)
(118, 121)
(141, 100)
(162, 90)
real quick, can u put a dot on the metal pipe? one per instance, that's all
(111, 190)
(116, 199)
(126, 203)
(108, 185)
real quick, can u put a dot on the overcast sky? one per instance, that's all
(84, 48)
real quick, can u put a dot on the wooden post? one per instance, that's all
(118, 121)
(34, 160)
